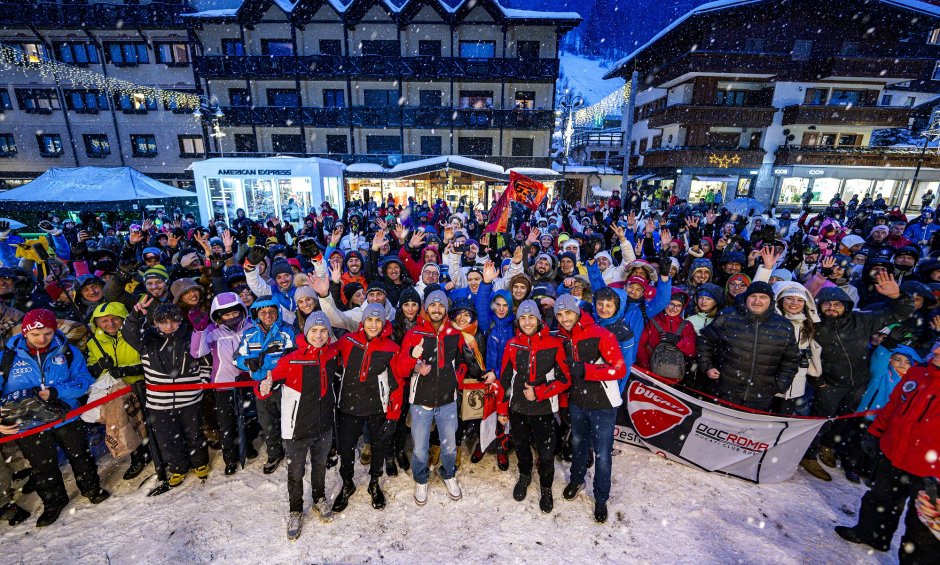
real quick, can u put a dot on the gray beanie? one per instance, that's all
(437, 296)
(374, 311)
(317, 318)
(567, 302)
(305, 292)
(529, 308)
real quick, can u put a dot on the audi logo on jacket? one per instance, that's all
(369, 386)
(307, 399)
(539, 361)
(604, 366)
(449, 356)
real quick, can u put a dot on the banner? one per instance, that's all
(530, 193)
(755, 447)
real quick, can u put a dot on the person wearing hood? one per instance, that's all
(520, 287)
(392, 274)
(430, 274)
(281, 291)
(220, 335)
(709, 300)
(544, 270)
(700, 272)
(795, 303)
(668, 327)
(349, 320)
(843, 335)
(262, 343)
(605, 261)
(750, 350)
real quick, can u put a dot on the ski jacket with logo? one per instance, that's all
(539, 361)
(369, 385)
(32, 369)
(909, 424)
(268, 345)
(308, 402)
(603, 361)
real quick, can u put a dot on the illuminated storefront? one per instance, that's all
(891, 183)
(285, 187)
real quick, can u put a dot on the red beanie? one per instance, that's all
(39, 318)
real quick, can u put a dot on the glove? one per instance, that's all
(4, 230)
(308, 247)
(826, 271)
(665, 265)
(668, 338)
(118, 372)
(577, 369)
(199, 319)
(871, 446)
(388, 429)
(256, 254)
(105, 363)
(275, 348)
(254, 364)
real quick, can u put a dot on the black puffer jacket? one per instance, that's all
(844, 340)
(756, 355)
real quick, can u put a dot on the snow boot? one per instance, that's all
(175, 479)
(391, 469)
(136, 468)
(546, 503)
(231, 468)
(161, 488)
(853, 477)
(342, 499)
(202, 472)
(365, 456)
(600, 512)
(375, 491)
(324, 509)
(828, 456)
(13, 514)
(250, 452)
(294, 524)
(853, 535)
(572, 490)
(98, 496)
(477, 454)
(421, 494)
(502, 461)
(815, 469)
(272, 464)
(49, 515)
(403, 462)
(522, 487)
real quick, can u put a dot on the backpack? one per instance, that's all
(667, 360)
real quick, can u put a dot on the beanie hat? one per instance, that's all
(305, 292)
(157, 272)
(567, 302)
(710, 290)
(759, 287)
(374, 311)
(280, 267)
(318, 318)
(181, 287)
(377, 286)
(528, 308)
(782, 274)
(350, 290)
(409, 295)
(438, 297)
(544, 290)
(152, 251)
(38, 319)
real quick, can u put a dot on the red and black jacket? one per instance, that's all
(603, 361)
(449, 356)
(369, 386)
(539, 361)
(909, 424)
(308, 402)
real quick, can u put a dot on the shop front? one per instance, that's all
(826, 183)
(283, 187)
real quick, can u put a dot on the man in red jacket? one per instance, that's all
(907, 431)
(596, 364)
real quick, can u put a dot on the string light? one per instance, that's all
(595, 114)
(12, 58)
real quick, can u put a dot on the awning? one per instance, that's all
(640, 177)
(704, 178)
(598, 191)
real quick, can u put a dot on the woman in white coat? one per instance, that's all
(795, 303)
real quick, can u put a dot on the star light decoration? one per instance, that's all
(724, 161)
(11, 58)
(595, 114)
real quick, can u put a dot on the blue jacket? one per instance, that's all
(482, 301)
(921, 232)
(255, 341)
(883, 378)
(70, 381)
(498, 333)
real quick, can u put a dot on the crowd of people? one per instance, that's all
(384, 321)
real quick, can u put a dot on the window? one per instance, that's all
(383, 144)
(381, 48)
(429, 48)
(845, 97)
(5, 102)
(850, 140)
(331, 47)
(730, 97)
(37, 100)
(524, 100)
(936, 72)
(910, 100)
(480, 146)
(934, 37)
(754, 44)
(528, 49)
(336, 144)
(431, 145)
(277, 47)
(191, 145)
(136, 103)
(144, 145)
(85, 101)
(886, 99)
(173, 54)
(7, 145)
(802, 48)
(127, 54)
(172, 105)
(233, 47)
(28, 52)
(478, 49)
(76, 53)
(50, 144)
(657, 142)
(827, 139)
(643, 143)
(283, 97)
(375, 98)
(430, 99)
(816, 96)
(477, 99)
(522, 146)
(334, 98)
(96, 145)
(287, 143)
(246, 143)
(240, 97)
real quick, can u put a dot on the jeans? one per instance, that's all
(297, 449)
(446, 419)
(592, 429)
(538, 432)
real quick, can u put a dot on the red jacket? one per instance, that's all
(600, 352)
(369, 385)
(307, 404)
(909, 424)
(650, 338)
(538, 360)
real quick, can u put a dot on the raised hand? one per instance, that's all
(769, 256)
(381, 223)
(533, 236)
(400, 233)
(5, 229)
(171, 239)
(448, 233)
(336, 274)
(336, 236)
(710, 217)
(618, 231)
(320, 284)
(935, 323)
(135, 237)
(417, 240)
(631, 219)
(378, 240)
(143, 305)
(489, 272)
(517, 254)
(228, 240)
(665, 237)
(886, 285)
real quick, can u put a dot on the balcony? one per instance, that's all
(873, 116)
(725, 63)
(881, 68)
(723, 116)
(396, 116)
(391, 160)
(341, 67)
(854, 156)
(703, 158)
(53, 15)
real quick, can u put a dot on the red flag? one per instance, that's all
(498, 219)
(521, 189)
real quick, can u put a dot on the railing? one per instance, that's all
(703, 157)
(725, 116)
(878, 67)
(855, 156)
(604, 138)
(880, 116)
(53, 14)
(729, 63)
(337, 66)
(395, 116)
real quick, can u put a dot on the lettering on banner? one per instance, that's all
(739, 442)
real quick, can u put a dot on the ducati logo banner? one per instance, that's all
(672, 424)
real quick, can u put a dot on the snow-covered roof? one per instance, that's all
(457, 162)
(537, 15)
(533, 171)
(92, 184)
(221, 13)
(365, 168)
(914, 5)
(446, 160)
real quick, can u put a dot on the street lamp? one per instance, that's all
(567, 106)
(210, 110)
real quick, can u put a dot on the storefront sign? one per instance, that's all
(816, 172)
(254, 172)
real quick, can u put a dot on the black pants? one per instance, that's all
(228, 423)
(537, 432)
(833, 401)
(296, 450)
(43, 456)
(180, 439)
(349, 428)
(269, 416)
(153, 450)
(881, 510)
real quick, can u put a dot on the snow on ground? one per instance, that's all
(660, 512)
(584, 76)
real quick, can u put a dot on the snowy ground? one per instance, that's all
(584, 76)
(660, 512)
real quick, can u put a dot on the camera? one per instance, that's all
(804, 359)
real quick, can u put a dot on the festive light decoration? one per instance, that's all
(723, 161)
(595, 114)
(67, 75)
